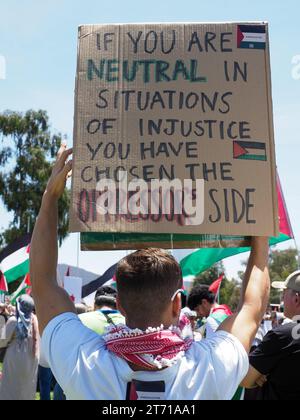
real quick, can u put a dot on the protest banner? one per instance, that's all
(189, 104)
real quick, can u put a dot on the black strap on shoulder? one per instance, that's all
(109, 319)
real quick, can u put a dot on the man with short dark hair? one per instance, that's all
(105, 296)
(146, 280)
(275, 363)
(203, 301)
(152, 356)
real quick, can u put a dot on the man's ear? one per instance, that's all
(176, 307)
(119, 307)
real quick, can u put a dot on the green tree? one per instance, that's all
(281, 264)
(210, 275)
(26, 150)
(230, 293)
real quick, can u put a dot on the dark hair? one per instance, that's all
(106, 291)
(197, 294)
(81, 308)
(183, 300)
(146, 281)
(106, 296)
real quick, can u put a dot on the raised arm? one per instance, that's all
(254, 296)
(50, 299)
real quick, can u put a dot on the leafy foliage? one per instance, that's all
(281, 264)
(26, 149)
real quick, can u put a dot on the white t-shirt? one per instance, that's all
(211, 327)
(210, 370)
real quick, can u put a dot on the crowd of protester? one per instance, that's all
(26, 372)
(146, 341)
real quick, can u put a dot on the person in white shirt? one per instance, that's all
(203, 302)
(153, 356)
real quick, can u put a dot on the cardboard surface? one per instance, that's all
(179, 101)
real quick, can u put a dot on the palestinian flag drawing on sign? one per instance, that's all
(251, 37)
(249, 150)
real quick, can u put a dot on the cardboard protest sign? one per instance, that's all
(189, 104)
(73, 286)
(91, 241)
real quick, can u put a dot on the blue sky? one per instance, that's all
(38, 40)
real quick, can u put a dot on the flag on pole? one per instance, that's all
(216, 286)
(196, 261)
(73, 286)
(107, 278)
(14, 259)
(3, 283)
(24, 288)
(285, 226)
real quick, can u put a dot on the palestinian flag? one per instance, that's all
(14, 259)
(108, 278)
(251, 37)
(216, 286)
(3, 284)
(249, 150)
(23, 289)
(197, 261)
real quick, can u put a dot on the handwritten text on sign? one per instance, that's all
(174, 102)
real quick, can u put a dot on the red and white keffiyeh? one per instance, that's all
(155, 348)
